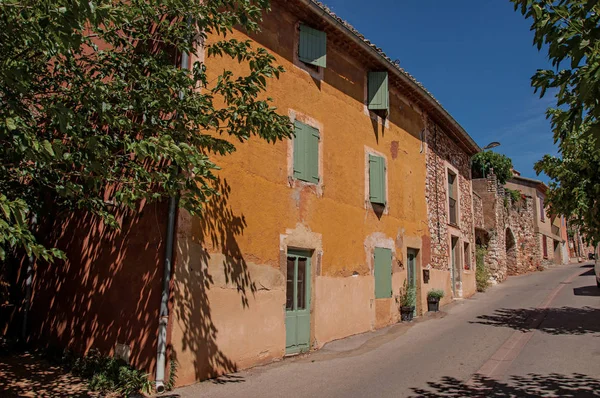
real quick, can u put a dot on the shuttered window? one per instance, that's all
(306, 153)
(312, 48)
(383, 273)
(378, 90)
(377, 179)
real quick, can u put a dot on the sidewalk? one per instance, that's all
(26, 375)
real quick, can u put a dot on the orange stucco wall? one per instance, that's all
(230, 276)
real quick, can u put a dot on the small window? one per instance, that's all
(312, 46)
(545, 245)
(467, 256)
(542, 211)
(378, 91)
(377, 180)
(452, 198)
(306, 153)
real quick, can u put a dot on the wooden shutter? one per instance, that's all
(312, 48)
(299, 150)
(306, 153)
(383, 273)
(313, 155)
(377, 179)
(379, 96)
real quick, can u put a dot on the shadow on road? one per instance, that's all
(587, 291)
(532, 385)
(589, 272)
(564, 320)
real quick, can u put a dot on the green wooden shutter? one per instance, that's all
(383, 273)
(313, 155)
(306, 153)
(377, 179)
(312, 48)
(379, 97)
(299, 150)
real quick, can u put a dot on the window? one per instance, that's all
(378, 91)
(453, 196)
(542, 211)
(383, 273)
(545, 245)
(312, 46)
(306, 153)
(377, 180)
(467, 256)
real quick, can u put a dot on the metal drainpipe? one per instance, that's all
(161, 352)
(28, 286)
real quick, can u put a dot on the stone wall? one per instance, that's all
(444, 155)
(478, 211)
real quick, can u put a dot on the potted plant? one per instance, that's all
(407, 302)
(433, 299)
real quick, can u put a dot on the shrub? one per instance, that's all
(482, 276)
(107, 374)
(436, 294)
(408, 295)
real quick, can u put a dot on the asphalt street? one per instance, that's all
(533, 335)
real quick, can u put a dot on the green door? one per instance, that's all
(411, 271)
(297, 303)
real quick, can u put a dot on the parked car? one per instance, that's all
(597, 266)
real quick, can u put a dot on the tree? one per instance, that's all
(569, 30)
(94, 105)
(486, 160)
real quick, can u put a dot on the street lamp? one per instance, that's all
(491, 145)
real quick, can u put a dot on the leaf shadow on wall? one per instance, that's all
(214, 261)
(107, 291)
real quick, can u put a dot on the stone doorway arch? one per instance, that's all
(511, 252)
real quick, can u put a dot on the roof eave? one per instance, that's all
(426, 96)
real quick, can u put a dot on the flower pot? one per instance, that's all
(433, 304)
(406, 313)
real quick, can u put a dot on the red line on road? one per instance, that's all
(499, 363)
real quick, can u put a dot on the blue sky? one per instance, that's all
(476, 57)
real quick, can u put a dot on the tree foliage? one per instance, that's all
(94, 107)
(484, 161)
(570, 31)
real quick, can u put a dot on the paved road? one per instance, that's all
(534, 335)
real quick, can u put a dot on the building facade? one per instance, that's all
(315, 236)
(547, 227)
(310, 240)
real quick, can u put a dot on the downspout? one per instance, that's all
(28, 285)
(161, 352)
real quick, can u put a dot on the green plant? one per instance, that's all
(94, 103)
(436, 294)
(107, 374)
(170, 384)
(568, 32)
(486, 160)
(515, 196)
(408, 295)
(482, 276)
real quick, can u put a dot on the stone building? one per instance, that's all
(311, 239)
(547, 227)
(449, 195)
(508, 230)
